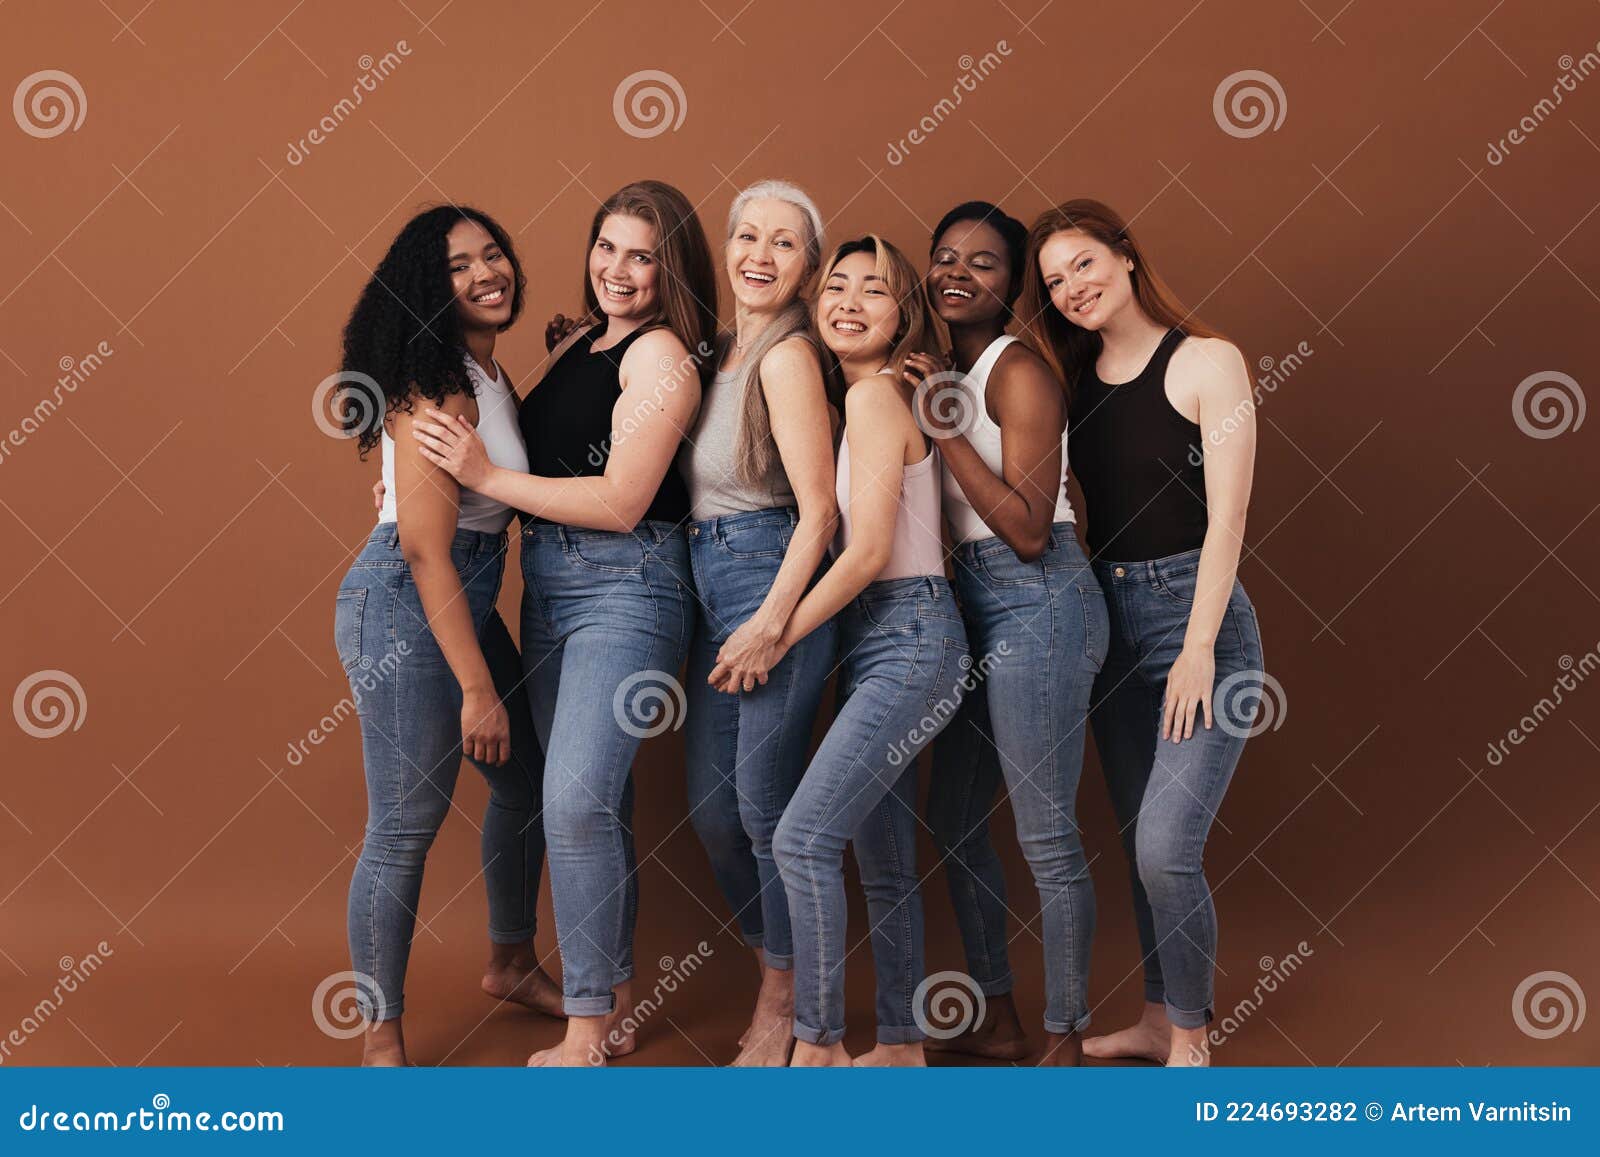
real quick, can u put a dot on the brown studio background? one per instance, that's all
(175, 532)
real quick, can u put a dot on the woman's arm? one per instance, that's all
(660, 395)
(1019, 503)
(877, 421)
(427, 502)
(1213, 375)
(791, 380)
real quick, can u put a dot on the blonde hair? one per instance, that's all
(919, 331)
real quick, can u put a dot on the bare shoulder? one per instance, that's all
(1210, 363)
(1019, 367)
(875, 399)
(792, 357)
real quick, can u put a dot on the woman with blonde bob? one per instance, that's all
(904, 651)
(1161, 435)
(759, 468)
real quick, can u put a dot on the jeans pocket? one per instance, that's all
(761, 540)
(603, 550)
(1096, 626)
(954, 662)
(348, 608)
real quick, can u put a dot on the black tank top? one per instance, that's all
(1139, 463)
(566, 422)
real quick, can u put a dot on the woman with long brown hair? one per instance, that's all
(607, 609)
(1162, 440)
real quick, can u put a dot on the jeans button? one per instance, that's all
(694, 532)
(1120, 572)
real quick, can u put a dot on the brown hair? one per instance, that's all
(919, 331)
(1067, 348)
(688, 280)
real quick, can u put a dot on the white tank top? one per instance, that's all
(966, 524)
(497, 426)
(918, 547)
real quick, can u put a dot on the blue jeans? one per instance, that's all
(904, 671)
(606, 618)
(1038, 633)
(746, 752)
(1167, 794)
(409, 704)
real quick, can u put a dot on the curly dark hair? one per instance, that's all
(404, 333)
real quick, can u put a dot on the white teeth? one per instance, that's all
(616, 290)
(491, 298)
(952, 291)
(1088, 305)
(759, 278)
(849, 327)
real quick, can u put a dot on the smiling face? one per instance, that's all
(766, 255)
(857, 314)
(623, 269)
(1087, 280)
(481, 276)
(969, 274)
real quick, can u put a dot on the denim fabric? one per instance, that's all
(746, 752)
(1038, 633)
(409, 704)
(905, 659)
(1167, 794)
(606, 618)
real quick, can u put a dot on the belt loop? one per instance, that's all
(394, 535)
(561, 537)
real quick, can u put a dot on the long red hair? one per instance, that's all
(1070, 349)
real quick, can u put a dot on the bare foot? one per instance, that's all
(530, 987)
(593, 1040)
(908, 1056)
(998, 1037)
(1061, 1051)
(766, 1043)
(1148, 1040)
(1190, 1049)
(383, 1045)
(808, 1056)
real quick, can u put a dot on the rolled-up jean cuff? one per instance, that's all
(817, 1036)
(1182, 1018)
(753, 939)
(781, 963)
(1062, 1028)
(391, 1010)
(1155, 992)
(588, 1005)
(512, 937)
(997, 987)
(900, 1034)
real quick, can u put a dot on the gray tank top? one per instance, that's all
(709, 455)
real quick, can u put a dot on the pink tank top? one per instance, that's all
(918, 547)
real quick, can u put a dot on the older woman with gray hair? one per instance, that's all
(759, 467)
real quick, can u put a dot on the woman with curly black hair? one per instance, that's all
(432, 668)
